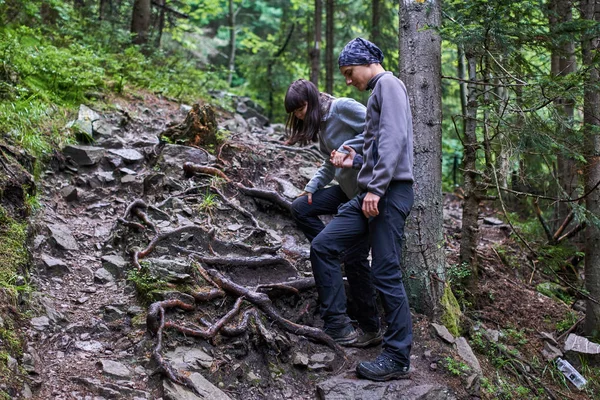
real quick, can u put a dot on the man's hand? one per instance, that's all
(343, 160)
(309, 194)
(369, 205)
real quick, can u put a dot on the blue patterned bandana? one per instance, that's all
(360, 51)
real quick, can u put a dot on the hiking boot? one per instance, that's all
(367, 339)
(343, 336)
(382, 369)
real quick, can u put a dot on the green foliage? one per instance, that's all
(567, 322)
(455, 367)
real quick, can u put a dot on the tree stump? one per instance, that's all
(198, 129)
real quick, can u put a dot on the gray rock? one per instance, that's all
(54, 266)
(173, 157)
(300, 359)
(175, 295)
(580, 344)
(307, 172)
(492, 221)
(114, 264)
(111, 390)
(103, 276)
(54, 315)
(112, 313)
(443, 332)
(63, 237)
(339, 388)
(40, 323)
(84, 155)
(205, 389)
(127, 171)
(69, 193)
(492, 335)
(114, 369)
(549, 338)
(12, 364)
(26, 392)
(550, 352)
(128, 155)
(91, 346)
(189, 358)
(466, 353)
(103, 128)
(170, 270)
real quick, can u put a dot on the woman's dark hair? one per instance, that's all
(297, 130)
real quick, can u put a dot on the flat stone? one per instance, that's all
(550, 352)
(339, 388)
(443, 333)
(103, 276)
(54, 266)
(114, 264)
(128, 155)
(189, 358)
(300, 359)
(84, 155)
(63, 237)
(466, 353)
(91, 346)
(40, 323)
(580, 344)
(205, 389)
(114, 369)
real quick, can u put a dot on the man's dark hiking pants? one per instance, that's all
(356, 264)
(384, 232)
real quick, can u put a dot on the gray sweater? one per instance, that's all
(343, 125)
(388, 138)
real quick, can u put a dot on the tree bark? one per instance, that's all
(563, 62)
(590, 9)
(160, 22)
(470, 228)
(375, 21)
(420, 69)
(232, 15)
(140, 21)
(315, 53)
(329, 59)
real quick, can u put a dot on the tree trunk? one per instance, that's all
(375, 21)
(470, 228)
(420, 69)
(160, 23)
(315, 53)
(103, 10)
(140, 21)
(329, 59)
(590, 9)
(232, 15)
(563, 62)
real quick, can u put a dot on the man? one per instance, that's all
(379, 212)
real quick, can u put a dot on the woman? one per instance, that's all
(333, 123)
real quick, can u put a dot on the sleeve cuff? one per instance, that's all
(357, 162)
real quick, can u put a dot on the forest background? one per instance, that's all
(517, 121)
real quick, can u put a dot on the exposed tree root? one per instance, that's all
(242, 210)
(191, 168)
(159, 237)
(268, 195)
(260, 261)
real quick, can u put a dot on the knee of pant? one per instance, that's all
(298, 207)
(320, 245)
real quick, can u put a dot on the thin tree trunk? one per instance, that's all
(232, 15)
(563, 63)
(140, 21)
(329, 60)
(420, 69)
(470, 228)
(375, 21)
(315, 53)
(161, 23)
(590, 10)
(103, 9)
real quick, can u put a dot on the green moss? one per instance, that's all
(13, 248)
(451, 313)
(148, 287)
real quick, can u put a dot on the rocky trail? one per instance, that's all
(147, 273)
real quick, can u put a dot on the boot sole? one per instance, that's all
(382, 378)
(373, 342)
